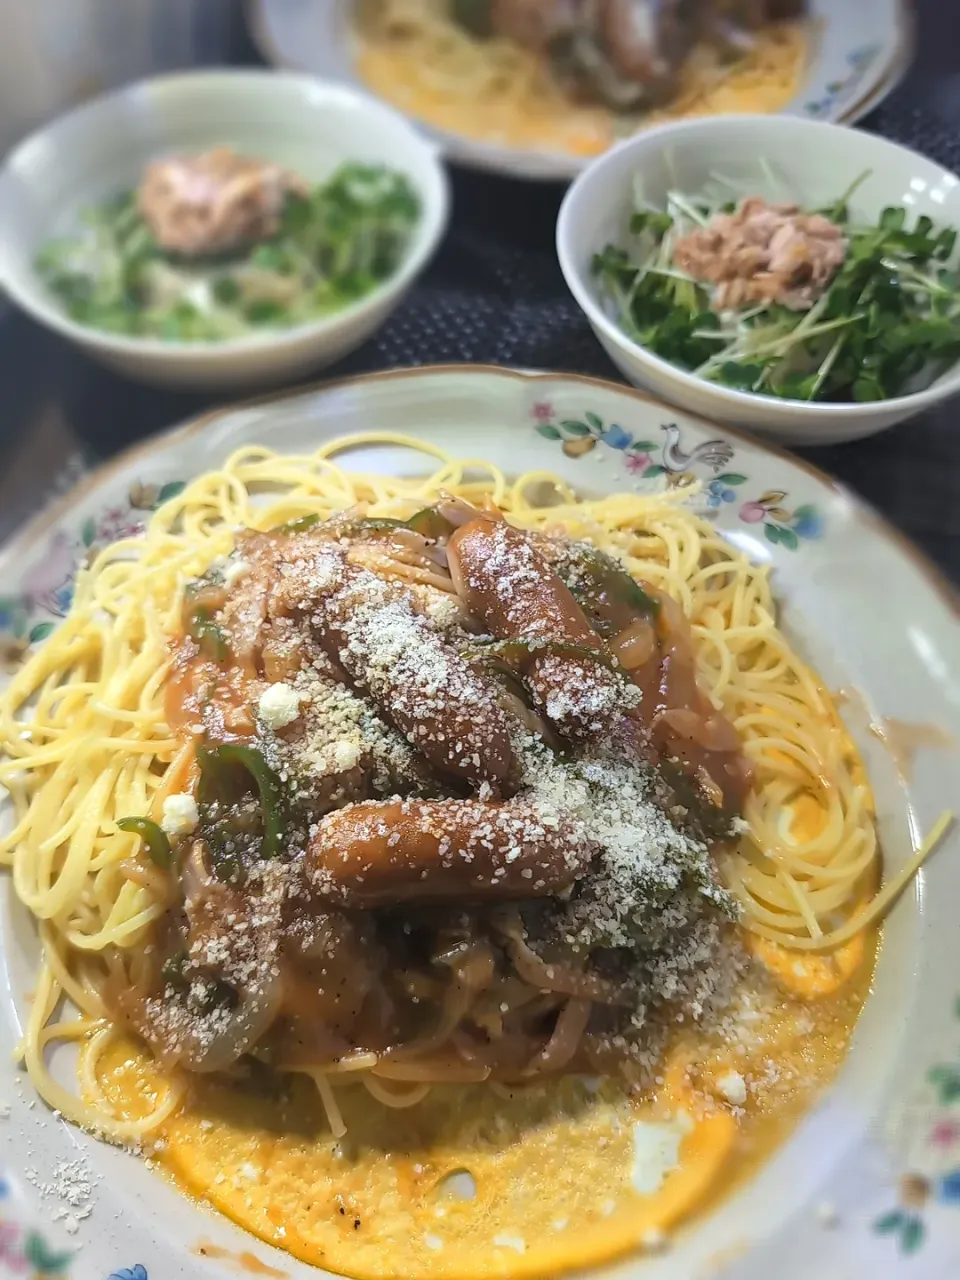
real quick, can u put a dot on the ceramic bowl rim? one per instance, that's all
(592, 177)
(428, 232)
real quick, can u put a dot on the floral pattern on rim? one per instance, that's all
(781, 525)
(137, 1272)
(24, 1251)
(669, 462)
(859, 61)
(940, 1150)
(48, 587)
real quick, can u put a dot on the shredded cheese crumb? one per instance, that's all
(733, 1087)
(279, 705)
(346, 755)
(506, 1241)
(656, 1152)
(180, 815)
(654, 1240)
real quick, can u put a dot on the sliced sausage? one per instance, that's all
(646, 40)
(535, 24)
(381, 854)
(507, 582)
(445, 708)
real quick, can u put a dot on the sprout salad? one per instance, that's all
(267, 255)
(776, 300)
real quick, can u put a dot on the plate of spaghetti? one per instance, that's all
(537, 88)
(465, 823)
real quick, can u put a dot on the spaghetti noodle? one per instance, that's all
(87, 730)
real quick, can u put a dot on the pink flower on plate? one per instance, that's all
(752, 512)
(542, 411)
(945, 1133)
(637, 463)
(10, 1251)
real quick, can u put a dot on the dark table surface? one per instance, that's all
(494, 294)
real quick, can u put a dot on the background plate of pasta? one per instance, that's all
(537, 88)
(467, 823)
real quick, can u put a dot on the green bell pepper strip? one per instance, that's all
(264, 778)
(155, 840)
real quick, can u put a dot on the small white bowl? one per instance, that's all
(818, 162)
(100, 149)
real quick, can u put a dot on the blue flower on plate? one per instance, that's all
(950, 1187)
(808, 522)
(718, 493)
(616, 437)
(4, 1187)
(136, 1272)
(62, 599)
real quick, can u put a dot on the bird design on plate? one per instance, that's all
(715, 454)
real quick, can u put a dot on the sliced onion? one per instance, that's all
(721, 735)
(252, 1018)
(565, 1040)
(195, 876)
(711, 789)
(713, 733)
(685, 723)
(553, 976)
(457, 511)
(672, 622)
(635, 645)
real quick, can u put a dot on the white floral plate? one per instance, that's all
(859, 49)
(870, 1183)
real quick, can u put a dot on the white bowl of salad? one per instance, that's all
(795, 278)
(220, 229)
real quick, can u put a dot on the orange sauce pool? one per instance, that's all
(566, 1176)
